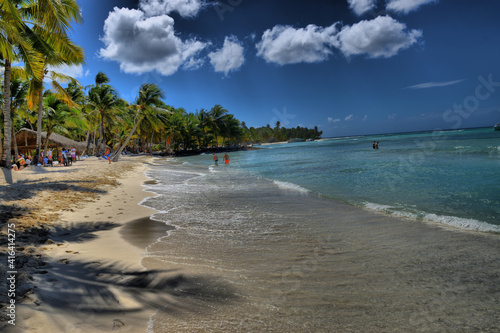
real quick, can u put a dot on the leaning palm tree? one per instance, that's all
(147, 104)
(103, 99)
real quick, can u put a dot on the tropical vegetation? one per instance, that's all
(34, 36)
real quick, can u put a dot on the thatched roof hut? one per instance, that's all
(26, 141)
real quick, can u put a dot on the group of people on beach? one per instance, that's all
(216, 159)
(66, 157)
(21, 162)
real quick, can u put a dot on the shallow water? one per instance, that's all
(251, 254)
(449, 177)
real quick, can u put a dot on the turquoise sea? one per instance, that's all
(332, 236)
(450, 177)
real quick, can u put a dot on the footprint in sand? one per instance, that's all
(117, 324)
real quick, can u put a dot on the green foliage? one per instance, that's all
(267, 134)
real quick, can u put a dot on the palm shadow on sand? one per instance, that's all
(84, 289)
(26, 189)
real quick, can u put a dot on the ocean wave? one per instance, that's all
(463, 223)
(213, 168)
(458, 222)
(448, 131)
(290, 186)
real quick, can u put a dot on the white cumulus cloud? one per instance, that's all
(229, 58)
(406, 6)
(332, 121)
(382, 37)
(349, 117)
(142, 44)
(186, 8)
(75, 71)
(287, 45)
(359, 7)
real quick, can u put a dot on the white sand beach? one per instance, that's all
(83, 208)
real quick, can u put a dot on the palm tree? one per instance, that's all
(58, 116)
(76, 95)
(152, 124)
(101, 78)
(176, 129)
(232, 130)
(40, 39)
(91, 112)
(18, 93)
(37, 90)
(147, 104)
(13, 46)
(103, 99)
(206, 126)
(217, 117)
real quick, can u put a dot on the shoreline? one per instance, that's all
(77, 277)
(370, 271)
(92, 275)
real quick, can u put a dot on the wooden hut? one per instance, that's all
(26, 142)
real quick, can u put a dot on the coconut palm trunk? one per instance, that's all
(6, 151)
(45, 149)
(87, 144)
(14, 141)
(118, 153)
(36, 158)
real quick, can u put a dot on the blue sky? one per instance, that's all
(349, 67)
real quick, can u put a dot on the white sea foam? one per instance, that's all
(463, 223)
(458, 222)
(390, 210)
(290, 186)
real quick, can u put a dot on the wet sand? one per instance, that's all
(144, 231)
(290, 261)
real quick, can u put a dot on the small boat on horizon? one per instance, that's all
(497, 127)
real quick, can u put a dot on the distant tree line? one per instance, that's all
(267, 134)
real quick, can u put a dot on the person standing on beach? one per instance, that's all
(226, 159)
(73, 154)
(107, 155)
(216, 159)
(64, 155)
